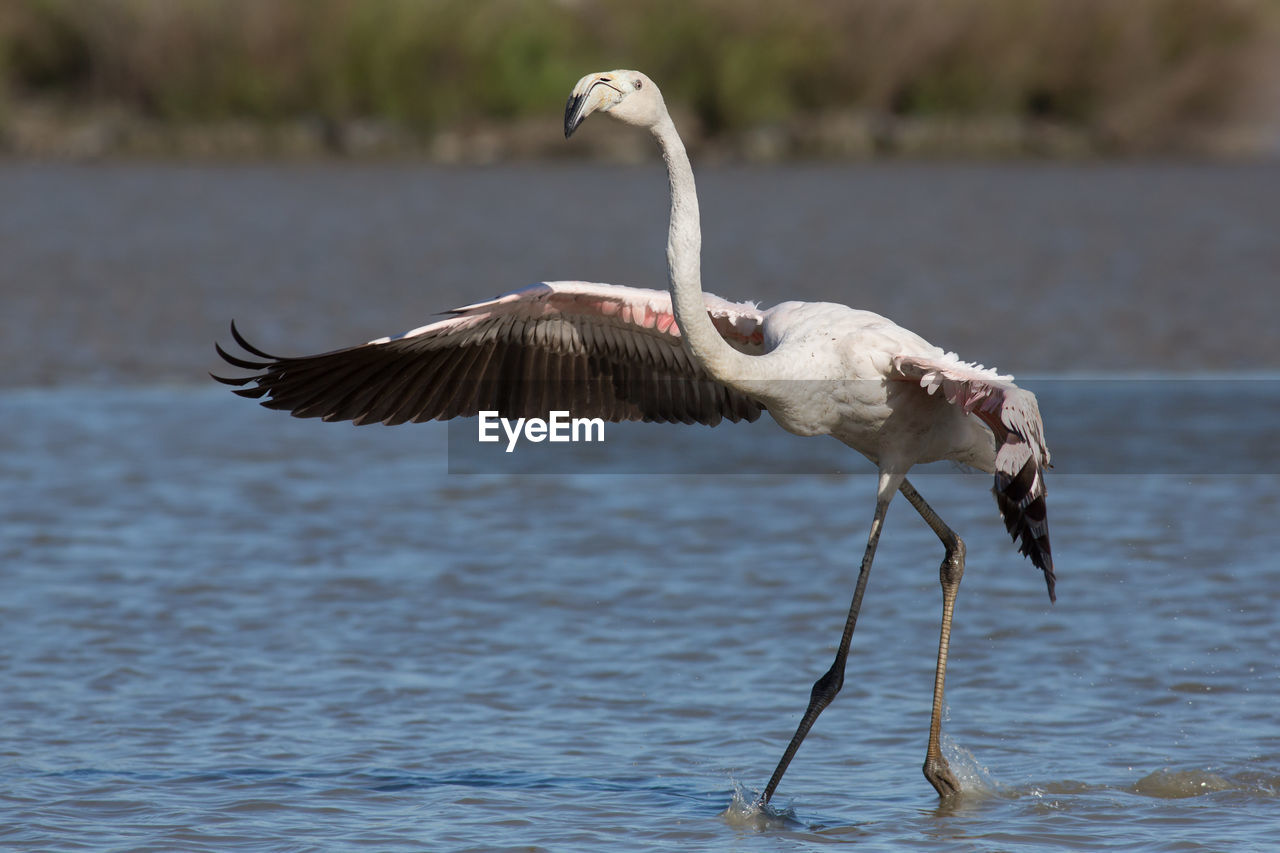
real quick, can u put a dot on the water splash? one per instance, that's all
(745, 811)
(975, 777)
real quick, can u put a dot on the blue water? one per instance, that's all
(222, 628)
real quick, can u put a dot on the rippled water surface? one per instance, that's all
(222, 628)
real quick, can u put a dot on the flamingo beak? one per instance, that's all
(593, 92)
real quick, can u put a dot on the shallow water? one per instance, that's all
(223, 628)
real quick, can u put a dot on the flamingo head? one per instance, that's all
(626, 95)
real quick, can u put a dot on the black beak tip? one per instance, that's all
(571, 118)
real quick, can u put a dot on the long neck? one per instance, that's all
(684, 267)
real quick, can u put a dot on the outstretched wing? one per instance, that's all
(1021, 455)
(594, 350)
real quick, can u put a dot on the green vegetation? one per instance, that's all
(1112, 75)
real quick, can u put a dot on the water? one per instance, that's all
(222, 628)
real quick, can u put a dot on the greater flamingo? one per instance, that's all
(623, 353)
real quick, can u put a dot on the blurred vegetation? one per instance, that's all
(1117, 75)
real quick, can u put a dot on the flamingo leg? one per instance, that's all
(936, 769)
(826, 687)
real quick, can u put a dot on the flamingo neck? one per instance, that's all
(684, 267)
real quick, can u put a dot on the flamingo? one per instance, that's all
(624, 353)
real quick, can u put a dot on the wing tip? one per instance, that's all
(236, 361)
(248, 347)
(261, 368)
(1037, 550)
(1020, 497)
(238, 381)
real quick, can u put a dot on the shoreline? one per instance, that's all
(39, 132)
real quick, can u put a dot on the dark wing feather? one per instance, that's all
(593, 350)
